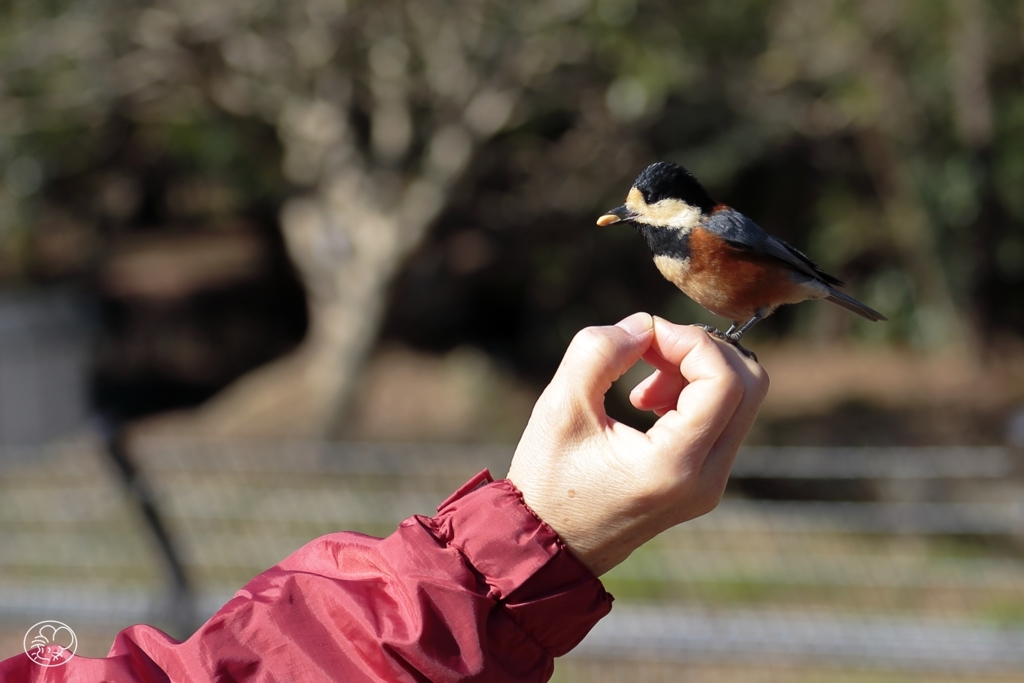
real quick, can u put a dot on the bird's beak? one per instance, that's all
(615, 215)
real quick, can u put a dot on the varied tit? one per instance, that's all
(720, 258)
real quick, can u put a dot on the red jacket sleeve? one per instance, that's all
(484, 591)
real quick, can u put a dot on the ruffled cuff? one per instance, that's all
(550, 594)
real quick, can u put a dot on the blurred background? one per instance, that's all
(270, 270)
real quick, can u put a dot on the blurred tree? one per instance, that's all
(882, 137)
(378, 109)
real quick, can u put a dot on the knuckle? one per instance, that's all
(591, 341)
(763, 382)
(733, 388)
(756, 381)
(703, 341)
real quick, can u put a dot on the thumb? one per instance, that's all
(597, 356)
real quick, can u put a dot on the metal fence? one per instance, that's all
(821, 564)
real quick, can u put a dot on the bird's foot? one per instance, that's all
(713, 331)
(733, 339)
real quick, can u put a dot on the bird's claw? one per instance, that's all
(713, 331)
(728, 338)
(745, 351)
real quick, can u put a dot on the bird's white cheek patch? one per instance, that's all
(667, 213)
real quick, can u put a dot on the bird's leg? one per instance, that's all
(736, 332)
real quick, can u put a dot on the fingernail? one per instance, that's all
(636, 324)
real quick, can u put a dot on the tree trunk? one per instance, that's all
(347, 249)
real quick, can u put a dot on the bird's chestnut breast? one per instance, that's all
(731, 282)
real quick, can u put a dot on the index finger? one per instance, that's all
(713, 390)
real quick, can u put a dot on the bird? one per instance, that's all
(718, 257)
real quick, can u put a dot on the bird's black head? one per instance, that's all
(665, 180)
(664, 196)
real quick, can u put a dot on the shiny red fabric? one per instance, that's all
(484, 591)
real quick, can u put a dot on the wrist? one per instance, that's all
(525, 565)
(597, 536)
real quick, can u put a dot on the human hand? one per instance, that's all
(606, 488)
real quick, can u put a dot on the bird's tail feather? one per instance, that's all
(851, 304)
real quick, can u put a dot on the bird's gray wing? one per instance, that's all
(743, 233)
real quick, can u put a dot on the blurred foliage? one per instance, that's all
(867, 134)
(882, 138)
